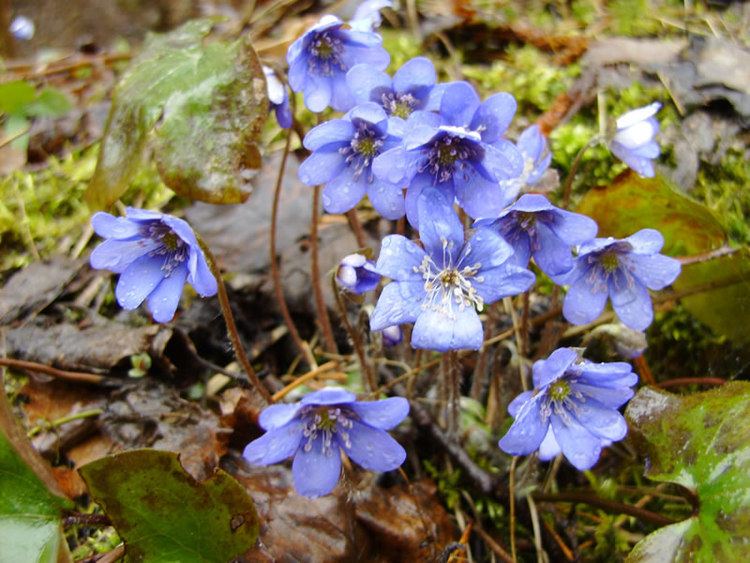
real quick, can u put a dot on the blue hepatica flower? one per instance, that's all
(319, 60)
(535, 227)
(367, 16)
(634, 143)
(439, 288)
(343, 152)
(622, 270)
(321, 426)
(279, 98)
(459, 150)
(154, 254)
(572, 408)
(536, 155)
(408, 91)
(357, 274)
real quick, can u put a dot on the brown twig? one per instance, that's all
(680, 381)
(280, 394)
(706, 256)
(234, 336)
(77, 376)
(275, 272)
(356, 338)
(568, 186)
(495, 547)
(605, 504)
(356, 227)
(320, 303)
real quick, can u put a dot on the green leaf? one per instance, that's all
(30, 514)
(723, 298)
(165, 515)
(701, 442)
(50, 102)
(16, 95)
(632, 203)
(197, 107)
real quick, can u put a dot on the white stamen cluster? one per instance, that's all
(326, 422)
(450, 286)
(400, 105)
(169, 245)
(562, 399)
(448, 155)
(363, 148)
(326, 49)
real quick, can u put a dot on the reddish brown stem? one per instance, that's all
(356, 227)
(77, 376)
(680, 381)
(320, 303)
(608, 505)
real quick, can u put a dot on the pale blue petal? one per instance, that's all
(372, 448)
(399, 303)
(487, 248)
(631, 301)
(554, 367)
(612, 397)
(516, 404)
(341, 97)
(399, 258)
(138, 280)
(579, 446)
(328, 396)
(549, 447)
(338, 131)
(479, 197)
(116, 255)
(384, 414)
(551, 254)
(646, 241)
(316, 472)
(503, 281)
(317, 93)
(528, 428)
(441, 230)
(367, 84)
(656, 271)
(415, 76)
(386, 198)
(276, 416)
(342, 192)
(443, 331)
(109, 226)
(320, 167)
(601, 421)
(199, 274)
(459, 103)
(494, 115)
(573, 228)
(584, 302)
(163, 301)
(274, 446)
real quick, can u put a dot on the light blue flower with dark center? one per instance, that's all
(572, 408)
(408, 91)
(154, 254)
(534, 149)
(440, 287)
(317, 429)
(634, 143)
(535, 227)
(343, 152)
(621, 270)
(460, 151)
(357, 274)
(279, 99)
(319, 60)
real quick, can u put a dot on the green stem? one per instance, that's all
(63, 420)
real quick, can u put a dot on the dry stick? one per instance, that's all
(77, 376)
(568, 187)
(356, 337)
(512, 501)
(495, 547)
(454, 393)
(278, 291)
(679, 381)
(525, 324)
(280, 394)
(610, 505)
(706, 256)
(234, 336)
(320, 302)
(356, 227)
(567, 552)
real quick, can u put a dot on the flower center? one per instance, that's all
(559, 390)
(451, 286)
(562, 398)
(399, 105)
(363, 148)
(168, 244)
(326, 422)
(610, 261)
(326, 49)
(449, 154)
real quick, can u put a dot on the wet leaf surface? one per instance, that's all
(701, 442)
(163, 514)
(198, 107)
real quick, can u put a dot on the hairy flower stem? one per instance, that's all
(77, 376)
(234, 336)
(356, 338)
(453, 386)
(320, 303)
(278, 291)
(568, 186)
(356, 227)
(512, 503)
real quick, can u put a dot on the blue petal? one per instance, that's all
(373, 55)
(163, 301)
(182, 229)
(646, 241)
(398, 259)
(656, 271)
(199, 274)
(341, 97)
(443, 331)
(479, 197)
(554, 367)
(384, 414)
(116, 255)
(551, 254)
(368, 111)
(138, 214)
(502, 281)
(549, 447)
(584, 302)
(631, 301)
(297, 75)
(531, 142)
(573, 228)
(328, 396)
(494, 115)
(580, 447)
(487, 248)
(373, 448)
(503, 159)
(602, 421)
(643, 166)
(278, 415)
(532, 203)
(338, 131)
(420, 183)
(399, 303)
(515, 405)
(611, 397)
(528, 428)
(138, 281)
(415, 75)
(459, 103)
(316, 472)
(394, 166)
(367, 83)
(284, 116)
(343, 192)
(387, 199)
(320, 166)
(441, 230)
(274, 446)
(608, 374)
(109, 226)
(317, 92)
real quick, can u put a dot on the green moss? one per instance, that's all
(401, 45)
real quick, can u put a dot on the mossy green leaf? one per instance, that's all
(15, 96)
(164, 515)
(632, 203)
(702, 442)
(30, 515)
(197, 107)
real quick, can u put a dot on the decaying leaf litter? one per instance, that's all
(106, 382)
